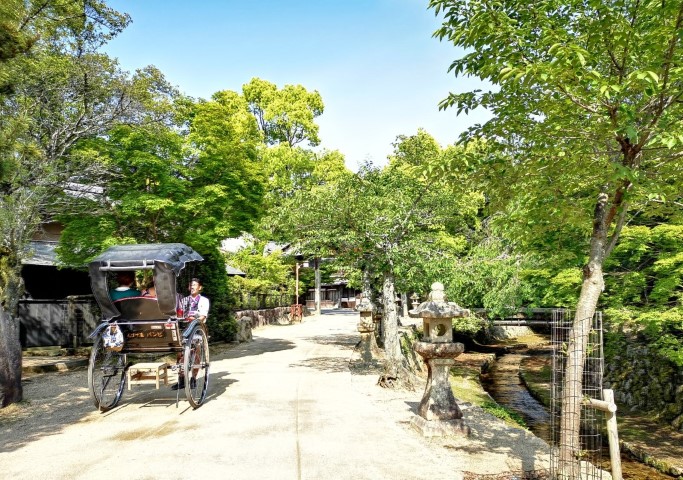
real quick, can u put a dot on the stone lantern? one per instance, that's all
(438, 413)
(414, 300)
(369, 351)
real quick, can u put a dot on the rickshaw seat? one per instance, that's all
(139, 308)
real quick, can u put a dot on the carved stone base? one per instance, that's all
(440, 428)
(368, 350)
(438, 401)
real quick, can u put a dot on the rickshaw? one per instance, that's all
(145, 326)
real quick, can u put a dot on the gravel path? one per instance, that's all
(284, 406)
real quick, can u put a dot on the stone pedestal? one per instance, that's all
(438, 413)
(368, 349)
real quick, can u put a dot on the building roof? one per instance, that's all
(272, 247)
(234, 272)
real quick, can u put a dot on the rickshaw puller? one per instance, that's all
(196, 307)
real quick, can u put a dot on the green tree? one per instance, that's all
(85, 25)
(382, 221)
(266, 273)
(284, 116)
(211, 271)
(165, 184)
(58, 91)
(195, 178)
(291, 170)
(586, 109)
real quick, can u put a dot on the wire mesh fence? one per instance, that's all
(581, 349)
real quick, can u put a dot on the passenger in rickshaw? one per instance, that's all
(150, 290)
(126, 288)
(195, 307)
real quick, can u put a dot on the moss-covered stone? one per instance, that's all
(643, 379)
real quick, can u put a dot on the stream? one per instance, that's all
(503, 383)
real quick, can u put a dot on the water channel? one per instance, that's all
(503, 383)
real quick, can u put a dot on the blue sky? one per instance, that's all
(375, 63)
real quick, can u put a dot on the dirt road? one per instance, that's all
(284, 406)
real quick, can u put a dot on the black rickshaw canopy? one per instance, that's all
(166, 260)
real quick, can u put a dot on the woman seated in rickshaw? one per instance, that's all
(126, 286)
(150, 290)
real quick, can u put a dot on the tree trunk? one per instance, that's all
(11, 289)
(397, 373)
(404, 305)
(392, 347)
(593, 284)
(367, 286)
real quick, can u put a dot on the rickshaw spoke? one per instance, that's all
(196, 367)
(106, 376)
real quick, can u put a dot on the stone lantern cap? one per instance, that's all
(437, 306)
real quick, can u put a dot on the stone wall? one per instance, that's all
(643, 380)
(250, 319)
(503, 332)
(268, 316)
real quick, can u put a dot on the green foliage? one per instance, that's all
(585, 138)
(661, 329)
(581, 102)
(54, 91)
(553, 288)
(166, 186)
(270, 273)
(14, 41)
(487, 275)
(469, 325)
(503, 413)
(291, 170)
(221, 323)
(664, 331)
(284, 116)
(59, 92)
(388, 221)
(646, 268)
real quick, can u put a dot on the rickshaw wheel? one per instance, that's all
(196, 367)
(106, 376)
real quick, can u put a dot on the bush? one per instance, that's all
(211, 271)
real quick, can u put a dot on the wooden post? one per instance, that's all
(613, 436)
(297, 283)
(317, 285)
(609, 407)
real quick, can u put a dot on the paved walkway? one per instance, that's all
(284, 406)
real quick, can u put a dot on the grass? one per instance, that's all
(503, 413)
(466, 387)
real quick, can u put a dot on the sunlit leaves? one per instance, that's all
(583, 101)
(286, 115)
